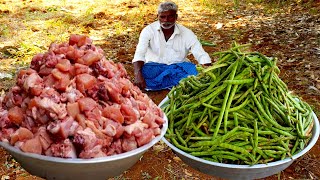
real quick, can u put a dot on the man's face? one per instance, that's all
(167, 19)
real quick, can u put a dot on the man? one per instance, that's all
(160, 60)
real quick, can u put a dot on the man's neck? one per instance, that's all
(167, 32)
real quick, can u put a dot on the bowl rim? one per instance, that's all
(11, 149)
(312, 142)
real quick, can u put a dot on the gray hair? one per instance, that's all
(167, 6)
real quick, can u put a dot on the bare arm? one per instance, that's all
(197, 50)
(138, 78)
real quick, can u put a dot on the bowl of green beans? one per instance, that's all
(196, 157)
(237, 119)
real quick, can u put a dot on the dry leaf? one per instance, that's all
(187, 173)
(176, 158)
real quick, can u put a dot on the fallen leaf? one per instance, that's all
(5, 177)
(313, 88)
(318, 85)
(176, 158)
(219, 25)
(5, 75)
(187, 173)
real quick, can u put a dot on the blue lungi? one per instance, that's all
(162, 76)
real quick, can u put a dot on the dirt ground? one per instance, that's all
(290, 32)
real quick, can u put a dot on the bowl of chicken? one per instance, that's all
(73, 114)
(76, 168)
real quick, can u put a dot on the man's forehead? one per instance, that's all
(168, 12)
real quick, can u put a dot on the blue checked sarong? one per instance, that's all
(162, 76)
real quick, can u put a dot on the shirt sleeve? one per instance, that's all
(197, 50)
(142, 46)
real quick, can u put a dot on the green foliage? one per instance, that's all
(88, 15)
(69, 19)
(145, 175)
(236, 3)
(52, 9)
(4, 30)
(119, 27)
(219, 5)
(27, 49)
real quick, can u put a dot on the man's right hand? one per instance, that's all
(139, 80)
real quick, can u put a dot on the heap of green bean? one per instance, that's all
(237, 111)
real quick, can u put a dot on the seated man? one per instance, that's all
(160, 60)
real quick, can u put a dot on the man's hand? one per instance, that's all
(139, 80)
(206, 65)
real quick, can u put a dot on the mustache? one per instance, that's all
(167, 23)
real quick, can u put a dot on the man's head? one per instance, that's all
(167, 14)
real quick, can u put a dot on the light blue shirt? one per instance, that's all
(152, 46)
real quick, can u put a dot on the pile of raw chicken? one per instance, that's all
(74, 103)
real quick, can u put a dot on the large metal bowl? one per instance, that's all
(231, 171)
(81, 169)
